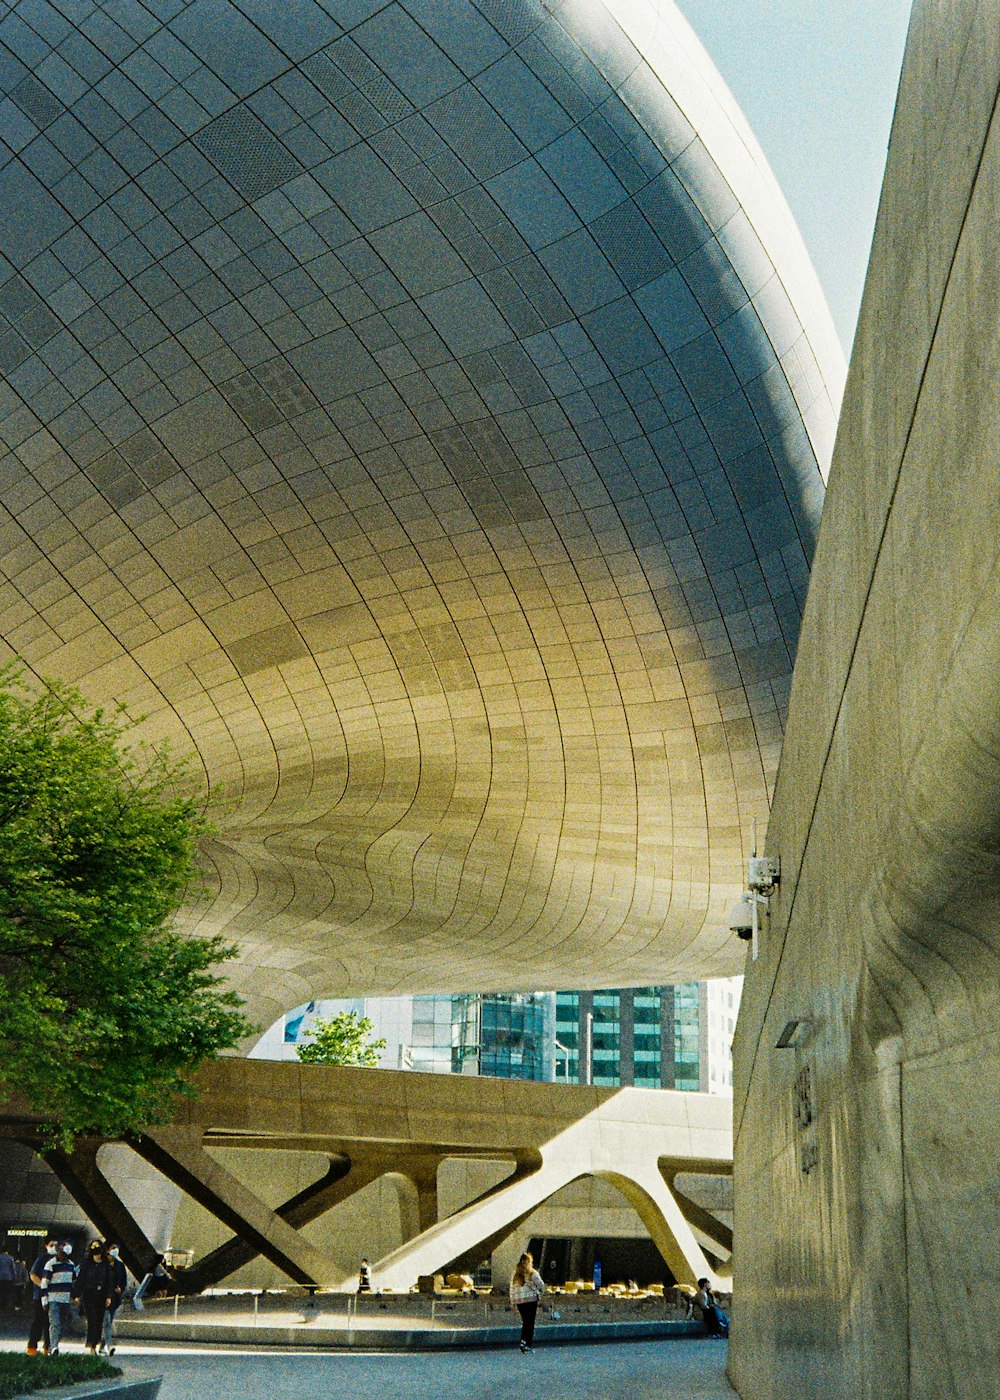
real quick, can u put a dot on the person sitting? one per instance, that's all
(715, 1320)
(157, 1281)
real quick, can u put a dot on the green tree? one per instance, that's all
(341, 1040)
(105, 1008)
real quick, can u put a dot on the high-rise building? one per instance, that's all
(671, 1037)
(722, 997)
(517, 1035)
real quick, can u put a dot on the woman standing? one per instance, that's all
(526, 1287)
(93, 1288)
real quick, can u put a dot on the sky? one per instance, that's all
(816, 80)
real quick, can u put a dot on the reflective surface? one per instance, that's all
(420, 410)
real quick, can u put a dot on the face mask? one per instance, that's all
(67, 1249)
(113, 1253)
(50, 1249)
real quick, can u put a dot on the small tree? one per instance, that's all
(341, 1040)
(104, 1008)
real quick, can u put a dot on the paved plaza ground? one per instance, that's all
(671, 1370)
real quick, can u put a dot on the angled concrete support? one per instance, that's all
(468, 1228)
(339, 1181)
(79, 1173)
(470, 1259)
(646, 1191)
(344, 1178)
(619, 1152)
(180, 1155)
(367, 1123)
(708, 1225)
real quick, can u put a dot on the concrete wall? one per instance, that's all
(866, 1237)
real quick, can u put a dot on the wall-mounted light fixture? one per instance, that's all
(793, 1034)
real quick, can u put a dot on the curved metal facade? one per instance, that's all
(418, 408)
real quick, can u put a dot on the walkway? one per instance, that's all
(646, 1371)
(640, 1371)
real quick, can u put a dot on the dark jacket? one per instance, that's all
(95, 1279)
(119, 1279)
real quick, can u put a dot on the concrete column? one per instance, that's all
(668, 1040)
(422, 1172)
(626, 1037)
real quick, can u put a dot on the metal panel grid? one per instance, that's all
(400, 408)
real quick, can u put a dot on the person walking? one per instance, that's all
(22, 1285)
(38, 1332)
(526, 1288)
(92, 1289)
(8, 1282)
(364, 1277)
(60, 1271)
(119, 1280)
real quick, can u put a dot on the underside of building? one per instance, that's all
(421, 413)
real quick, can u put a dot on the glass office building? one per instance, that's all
(671, 1037)
(516, 1035)
(505, 1035)
(651, 1037)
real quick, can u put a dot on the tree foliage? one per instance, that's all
(341, 1040)
(105, 1008)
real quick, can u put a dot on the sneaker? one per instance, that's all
(524, 1346)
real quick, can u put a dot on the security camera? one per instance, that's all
(741, 917)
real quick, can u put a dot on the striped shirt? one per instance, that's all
(59, 1274)
(529, 1291)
